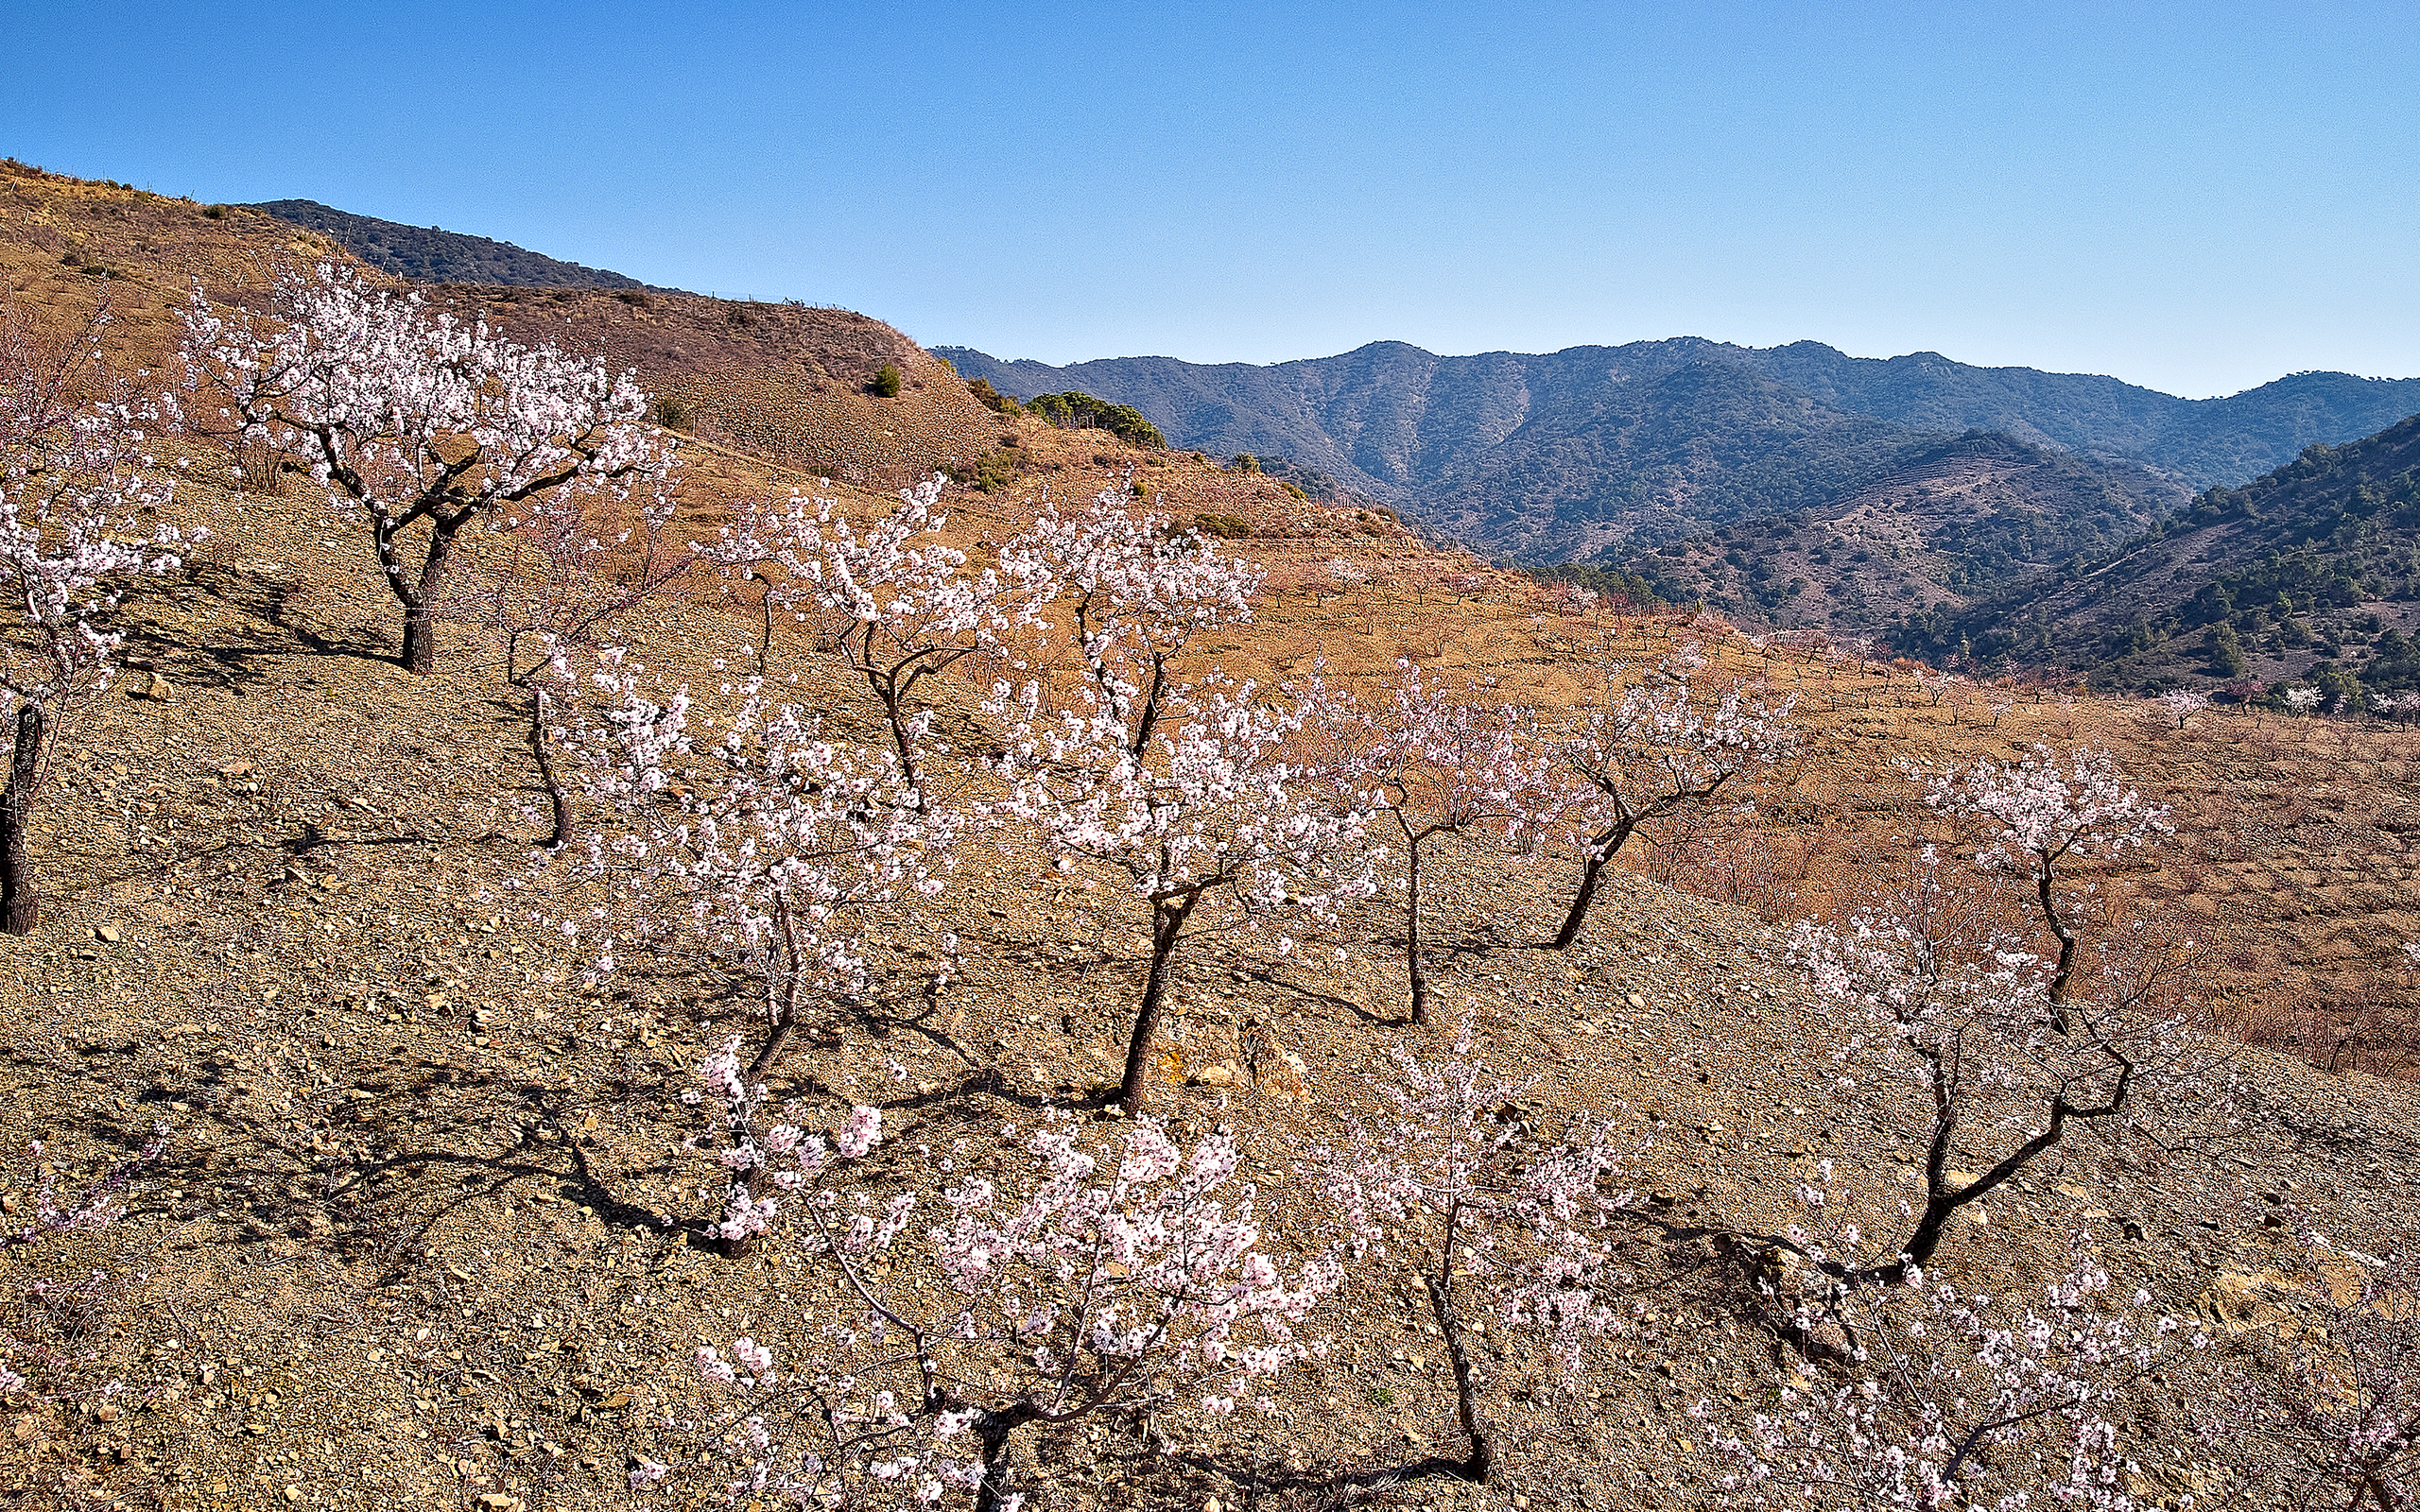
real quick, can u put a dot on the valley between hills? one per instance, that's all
(415, 1206)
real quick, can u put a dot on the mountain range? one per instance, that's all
(1600, 453)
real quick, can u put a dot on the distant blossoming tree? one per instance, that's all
(75, 476)
(1437, 760)
(1665, 746)
(566, 566)
(909, 608)
(412, 419)
(2181, 704)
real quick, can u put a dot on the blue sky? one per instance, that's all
(2198, 199)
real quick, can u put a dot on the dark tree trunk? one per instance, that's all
(1168, 926)
(20, 904)
(1601, 851)
(1441, 1300)
(993, 1430)
(561, 835)
(420, 603)
(1411, 939)
(420, 640)
(2067, 969)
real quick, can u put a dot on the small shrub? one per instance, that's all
(886, 382)
(988, 474)
(672, 415)
(632, 297)
(1074, 410)
(1246, 462)
(1224, 526)
(213, 211)
(1294, 488)
(991, 398)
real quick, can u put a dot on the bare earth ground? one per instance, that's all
(414, 1237)
(411, 1243)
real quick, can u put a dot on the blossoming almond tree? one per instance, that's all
(1062, 1282)
(1210, 808)
(1134, 591)
(74, 477)
(1940, 996)
(1667, 745)
(1489, 1214)
(909, 607)
(1951, 1400)
(2338, 1415)
(567, 565)
(1438, 761)
(410, 418)
(1173, 780)
(762, 847)
(2046, 815)
(2183, 703)
(50, 1320)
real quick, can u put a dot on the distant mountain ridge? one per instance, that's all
(425, 254)
(1595, 453)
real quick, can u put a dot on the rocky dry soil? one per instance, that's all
(415, 1236)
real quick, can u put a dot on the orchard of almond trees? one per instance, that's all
(962, 1290)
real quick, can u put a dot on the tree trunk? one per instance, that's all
(2060, 978)
(1441, 1300)
(562, 833)
(1168, 926)
(1411, 939)
(993, 1430)
(420, 639)
(420, 606)
(20, 904)
(1601, 851)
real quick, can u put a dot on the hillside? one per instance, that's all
(427, 254)
(419, 1204)
(2308, 575)
(1945, 525)
(787, 383)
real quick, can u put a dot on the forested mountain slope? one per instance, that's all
(2309, 574)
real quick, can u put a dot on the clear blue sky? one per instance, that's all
(2195, 198)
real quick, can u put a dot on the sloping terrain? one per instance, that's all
(429, 254)
(421, 1230)
(788, 382)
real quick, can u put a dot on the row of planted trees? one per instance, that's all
(737, 827)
